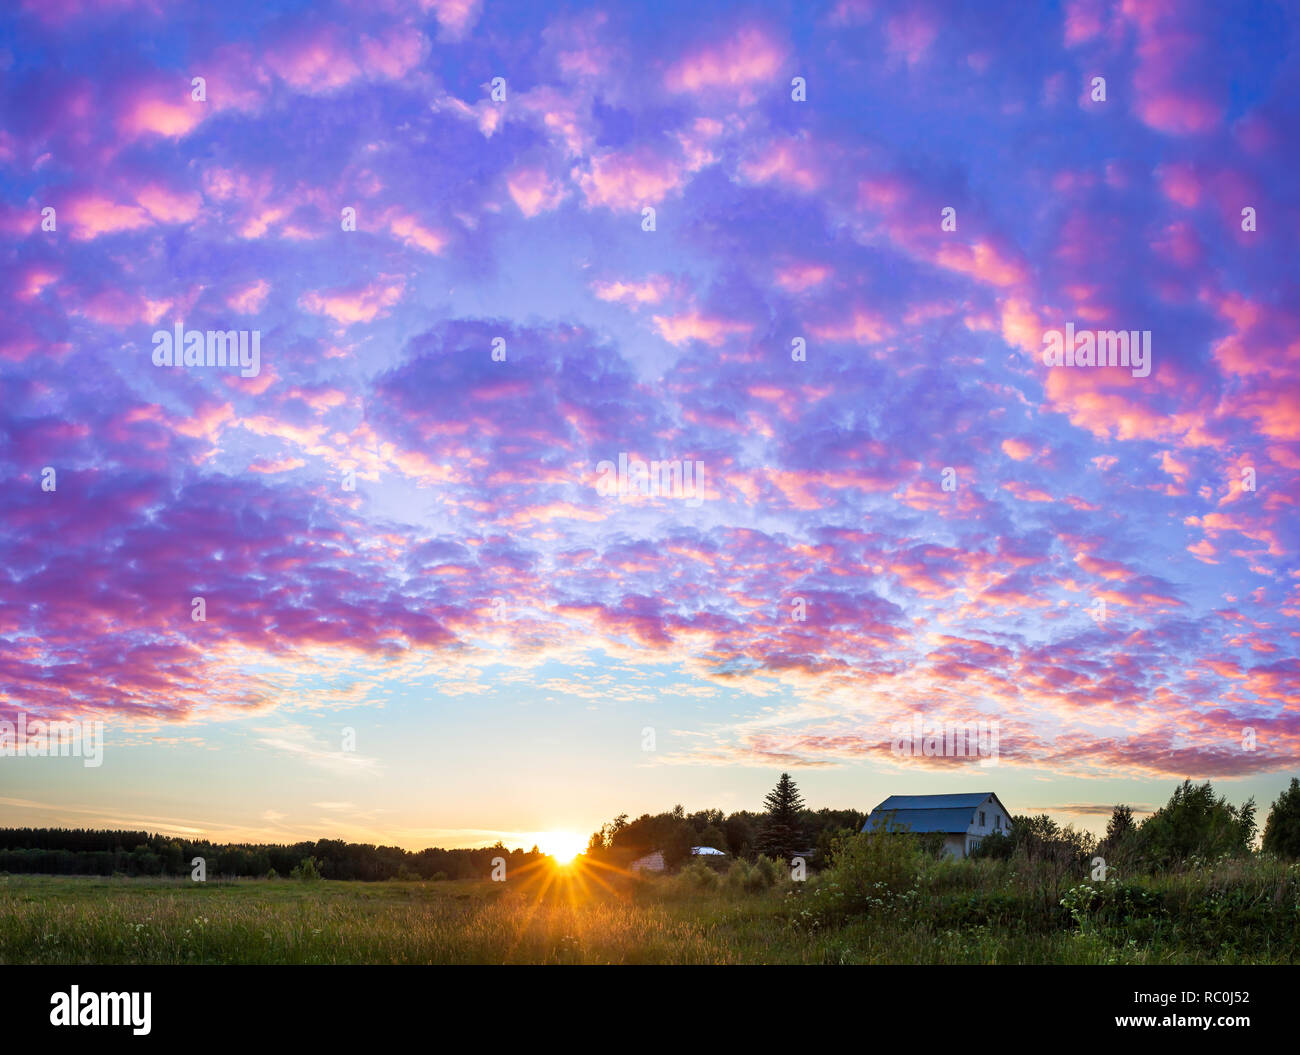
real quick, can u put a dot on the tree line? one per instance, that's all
(82, 851)
(1194, 824)
(786, 828)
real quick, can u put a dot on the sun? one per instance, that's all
(562, 846)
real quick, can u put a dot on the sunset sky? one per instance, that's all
(496, 633)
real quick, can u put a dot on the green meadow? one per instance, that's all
(963, 912)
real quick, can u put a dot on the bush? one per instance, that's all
(996, 846)
(738, 876)
(698, 876)
(307, 870)
(868, 871)
(761, 874)
(765, 873)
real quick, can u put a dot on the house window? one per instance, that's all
(981, 818)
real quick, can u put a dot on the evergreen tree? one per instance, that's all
(781, 834)
(1121, 825)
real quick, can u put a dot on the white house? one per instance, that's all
(964, 819)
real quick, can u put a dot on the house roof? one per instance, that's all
(969, 799)
(930, 813)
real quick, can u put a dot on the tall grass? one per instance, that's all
(883, 904)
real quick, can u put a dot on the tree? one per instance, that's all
(1196, 823)
(1282, 829)
(781, 835)
(1120, 826)
(306, 870)
(712, 836)
(1120, 847)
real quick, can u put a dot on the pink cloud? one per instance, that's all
(168, 206)
(249, 299)
(93, 216)
(161, 108)
(455, 17)
(115, 307)
(394, 54)
(789, 162)
(412, 232)
(692, 326)
(629, 180)
(981, 261)
(1173, 67)
(910, 35)
(795, 278)
(533, 191)
(1017, 449)
(1084, 19)
(314, 61)
(863, 327)
(358, 304)
(651, 291)
(746, 58)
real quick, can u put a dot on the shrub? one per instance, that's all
(698, 876)
(868, 871)
(996, 846)
(764, 874)
(739, 876)
(306, 870)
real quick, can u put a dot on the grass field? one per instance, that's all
(76, 920)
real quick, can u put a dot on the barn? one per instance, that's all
(963, 819)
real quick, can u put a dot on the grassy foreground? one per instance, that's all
(566, 919)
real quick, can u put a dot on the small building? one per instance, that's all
(651, 862)
(706, 851)
(963, 819)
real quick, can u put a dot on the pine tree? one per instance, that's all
(1120, 826)
(781, 835)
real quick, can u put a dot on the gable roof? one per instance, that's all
(931, 813)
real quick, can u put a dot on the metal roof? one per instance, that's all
(969, 799)
(957, 820)
(928, 813)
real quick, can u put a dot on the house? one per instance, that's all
(963, 819)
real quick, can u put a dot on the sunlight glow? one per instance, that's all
(562, 846)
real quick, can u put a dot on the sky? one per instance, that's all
(386, 582)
